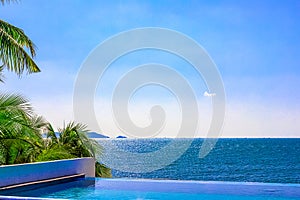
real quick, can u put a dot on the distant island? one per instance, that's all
(121, 136)
(89, 134)
(96, 135)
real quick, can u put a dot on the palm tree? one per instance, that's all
(72, 142)
(16, 49)
(20, 138)
(13, 54)
(74, 139)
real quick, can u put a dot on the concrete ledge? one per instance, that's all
(47, 181)
(30, 172)
(28, 198)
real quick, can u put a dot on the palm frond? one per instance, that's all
(2, 77)
(38, 122)
(55, 153)
(74, 137)
(12, 52)
(15, 117)
(51, 135)
(18, 150)
(7, 1)
(17, 123)
(102, 171)
(15, 102)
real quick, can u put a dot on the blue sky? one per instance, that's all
(255, 44)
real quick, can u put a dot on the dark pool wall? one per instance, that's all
(23, 173)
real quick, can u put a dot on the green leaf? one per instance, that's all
(12, 53)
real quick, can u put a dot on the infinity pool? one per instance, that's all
(96, 188)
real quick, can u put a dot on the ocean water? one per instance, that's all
(241, 160)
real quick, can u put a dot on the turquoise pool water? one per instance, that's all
(89, 193)
(96, 188)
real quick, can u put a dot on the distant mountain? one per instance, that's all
(121, 136)
(96, 135)
(89, 134)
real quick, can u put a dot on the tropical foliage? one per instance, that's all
(20, 129)
(20, 139)
(13, 54)
(102, 171)
(71, 141)
(16, 49)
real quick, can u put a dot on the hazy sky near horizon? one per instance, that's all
(255, 45)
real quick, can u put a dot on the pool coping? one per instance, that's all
(205, 187)
(28, 198)
(201, 182)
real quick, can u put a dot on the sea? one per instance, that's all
(238, 160)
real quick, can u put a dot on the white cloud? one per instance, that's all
(206, 94)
